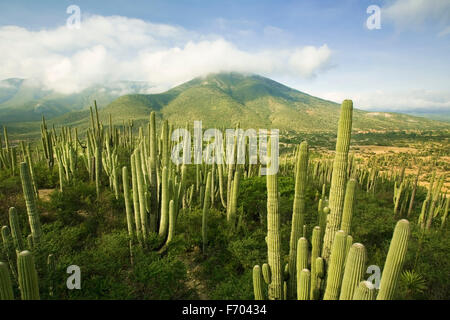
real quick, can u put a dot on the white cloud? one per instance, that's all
(411, 100)
(412, 14)
(119, 48)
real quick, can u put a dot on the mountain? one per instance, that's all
(27, 99)
(225, 99)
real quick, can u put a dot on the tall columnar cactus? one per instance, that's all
(413, 193)
(394, 261)
(348, 206)
(298, 214)
(354, 271)
(315, 251)
(206, 205)
(257, 283)
(336, 266)
(30, 201)
(302, 260)
(153, 173)
(232, 206)
(16, 232)
(6, 292)
(274, 238)
(137, 215)
(164, 222)
(434, 199)
(141, 194)
(303, 284)
(339, 175)
(8, 248)
(51, 271)
(365, 291)
(28, 278)
(97, 141)
(126, 195)
(172, 221)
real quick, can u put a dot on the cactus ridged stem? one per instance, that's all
(315, 251)
(298, 214)
(336, 266)
(304, 282)
(257, 283)
(274, 238)
(164, 222)
(141, 194)
(28, 279)
(302, 262)
(30, 201)
(394, 260)
(354, 271)
(339, 176)
(137, 216)
(364, 291)
(206, 206)
(15, 229)
(348, 206)
(6, 292)
(126, 195)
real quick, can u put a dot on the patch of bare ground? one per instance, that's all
(384, 149)
(193, 267)
(44, 194)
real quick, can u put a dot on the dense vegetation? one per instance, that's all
(141, 227)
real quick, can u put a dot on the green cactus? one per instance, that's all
(315, 251)
(134, 184)
(336, 266)
(348, 206)
(16, 232)
(266, 273)
(28, 279)
(257, 283)
(365, 291)
(339, 175)
(126, 195)
(206, 206)
(153, 173)
(354, 271)
(274, 237)
(302, 260)
(164, 222)
(394, 260)
(30, 201)
(6, 291)
(172, 220)
(51, 270)
(231, 217)
(303, 285)
(298, 215)
(141, 194)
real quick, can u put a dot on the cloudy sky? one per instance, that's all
(322, 47)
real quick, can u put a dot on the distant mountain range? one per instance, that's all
(27, 100)
(219, 100)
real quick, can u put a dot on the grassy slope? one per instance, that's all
(223, 100)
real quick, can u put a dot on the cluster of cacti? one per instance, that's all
(339, 273)
(8, 155)
(298, 215)
(329, 267)
(435, 203)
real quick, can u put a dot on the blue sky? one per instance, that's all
(320, 47)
